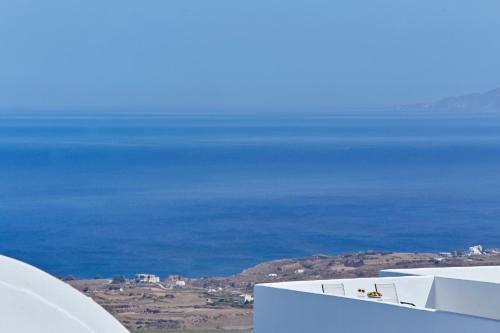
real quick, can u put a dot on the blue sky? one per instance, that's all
(243, 55)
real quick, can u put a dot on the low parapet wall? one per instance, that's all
(466, 290)
(280, 310)
(475, 298)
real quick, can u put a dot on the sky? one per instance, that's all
(243, 55)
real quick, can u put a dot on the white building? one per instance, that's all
(428, 300)
(147, 278)
(476, 250)
(180, 283)
(247, 298)
(34, 301)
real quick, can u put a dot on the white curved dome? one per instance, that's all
(34, 301)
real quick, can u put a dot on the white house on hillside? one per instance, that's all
(430, 300)
(34, 301)
(147, 278)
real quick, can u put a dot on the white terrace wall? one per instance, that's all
(289, 311)
(467, 290)
(468, 297)
(413, 289)
(478, 273)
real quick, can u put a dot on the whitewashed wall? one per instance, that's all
(468, 297)
(467, 290)
(32, 301)
(290, 311)
(414, 289)
(477, 273)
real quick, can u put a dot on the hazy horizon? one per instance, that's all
(240, 56)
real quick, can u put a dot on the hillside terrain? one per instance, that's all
(212, 304)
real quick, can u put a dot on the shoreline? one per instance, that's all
(211, 304)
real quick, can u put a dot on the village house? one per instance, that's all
(147, 278)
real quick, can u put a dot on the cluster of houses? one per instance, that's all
(147, 278)
(476, 250)
(171, 281)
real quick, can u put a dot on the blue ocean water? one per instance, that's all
(212, 194)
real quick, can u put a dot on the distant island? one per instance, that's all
(487, 101)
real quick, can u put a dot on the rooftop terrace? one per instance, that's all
(430, 300)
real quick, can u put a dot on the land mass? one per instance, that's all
(214, 304)
(487, 101)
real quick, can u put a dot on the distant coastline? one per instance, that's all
(488, 101)
(209, 304)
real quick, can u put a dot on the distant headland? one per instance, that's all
(485, 101)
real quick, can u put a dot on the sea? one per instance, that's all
(203, 194)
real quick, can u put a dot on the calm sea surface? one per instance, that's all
(204, 195)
